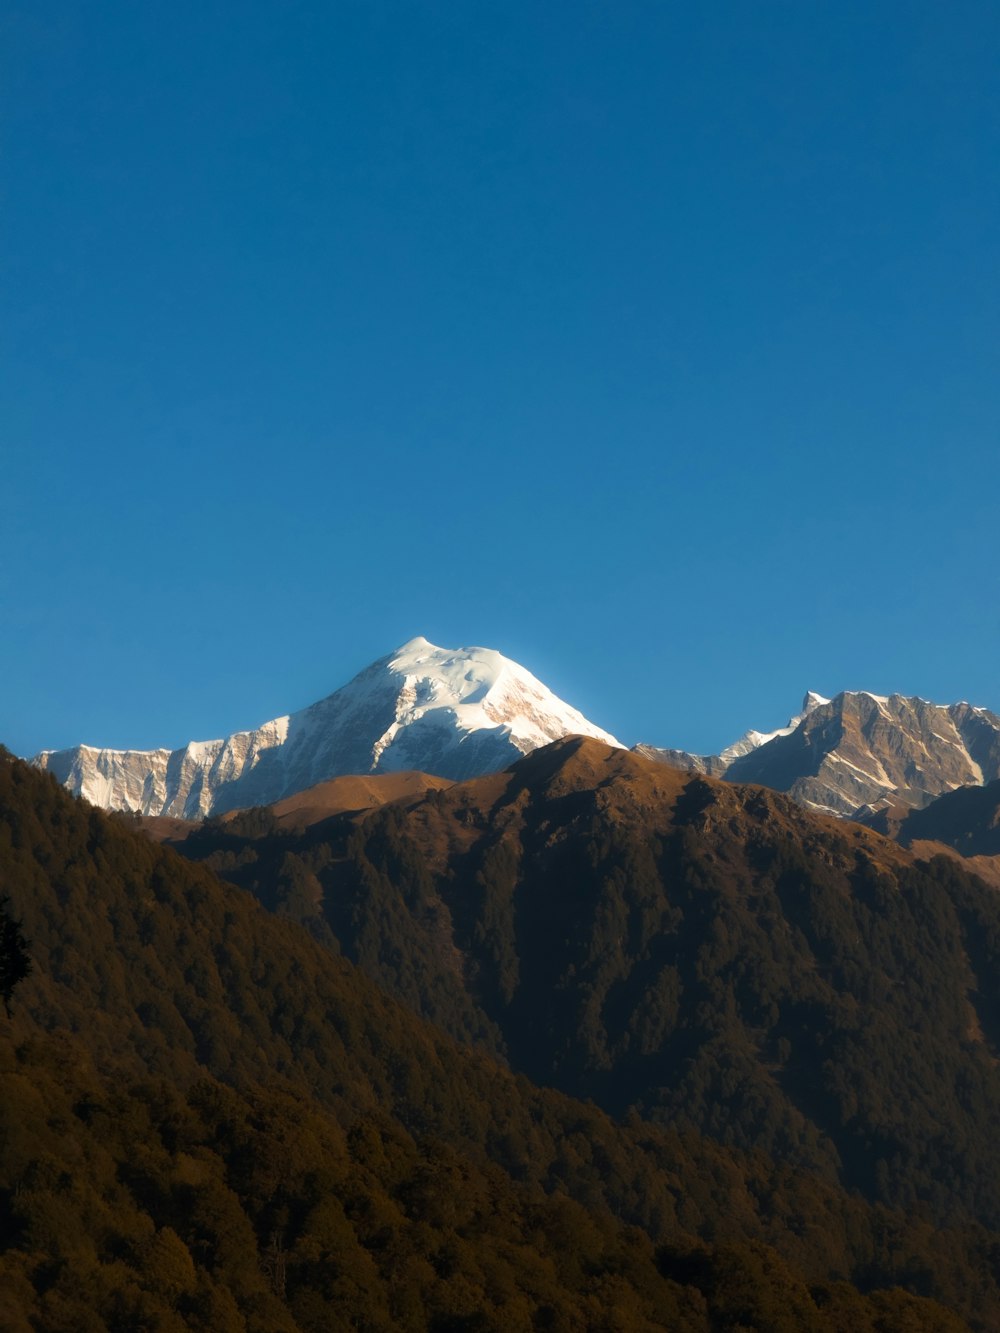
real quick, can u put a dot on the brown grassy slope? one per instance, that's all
(341, 795)
(300, 811)
(582, 777)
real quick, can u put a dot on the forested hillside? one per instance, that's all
(709, 956)
(211, 1122)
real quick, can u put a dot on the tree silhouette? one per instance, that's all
(15, 964)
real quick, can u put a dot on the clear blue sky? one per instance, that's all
(655, 345)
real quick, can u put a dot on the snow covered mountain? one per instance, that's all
(718, 765)
(859, 751)
(456, 713)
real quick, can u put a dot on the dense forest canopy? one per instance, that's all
(15, 961)
(212, 1121)
(707, 956)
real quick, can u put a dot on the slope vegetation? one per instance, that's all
(210, 1122)
(707, 955)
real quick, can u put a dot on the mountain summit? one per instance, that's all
(858, 752)
(455, 713)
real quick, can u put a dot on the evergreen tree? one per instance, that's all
(15, 964)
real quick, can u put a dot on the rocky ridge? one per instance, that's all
(858, 752)
(966, 820)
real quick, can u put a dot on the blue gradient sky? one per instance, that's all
(655, 345)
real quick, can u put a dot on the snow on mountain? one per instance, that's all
(717, 765)
(858, 751)
(753, 740)
(456, 713)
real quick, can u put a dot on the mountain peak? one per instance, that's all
(451, 712)
(414, 647)
(859, 750)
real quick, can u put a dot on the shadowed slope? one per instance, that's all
(357, 1169)
(710, 954)
(963, 824)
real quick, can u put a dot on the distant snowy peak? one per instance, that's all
(717, 765)
(753, 740)
(859, 751)
(455, 713)
(482, 690)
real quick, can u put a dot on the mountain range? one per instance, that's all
(858, 751)
(452, 713)
(467, 712)
(585, 1041)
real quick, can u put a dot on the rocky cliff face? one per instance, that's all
(967, 820)
(857, 752)
(717, 765)
(453, 713)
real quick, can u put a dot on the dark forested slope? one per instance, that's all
(709, 955)
(209, 1122)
